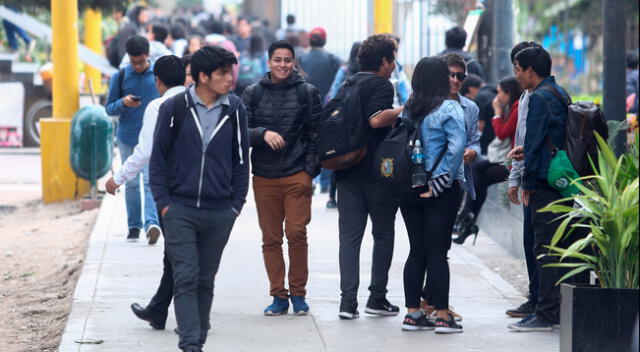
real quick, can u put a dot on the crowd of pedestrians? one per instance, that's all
(193, 139)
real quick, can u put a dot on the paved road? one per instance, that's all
(117, 273)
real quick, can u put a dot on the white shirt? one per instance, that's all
(142, 152)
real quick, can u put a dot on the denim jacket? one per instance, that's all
(547, 117)
(444, 126)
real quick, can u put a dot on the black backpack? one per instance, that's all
(392, 163)
(583, 119)
(342, 131)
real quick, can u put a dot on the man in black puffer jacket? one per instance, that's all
(282, 114)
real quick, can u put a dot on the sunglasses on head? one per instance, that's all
(460, 76)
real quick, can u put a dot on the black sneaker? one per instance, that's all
(525, 309)
(331, 204)
(422, 323)
(381, 307)
(134, 234)
(447, 326)
(348, 310)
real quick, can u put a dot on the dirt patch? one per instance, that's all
(42, 249)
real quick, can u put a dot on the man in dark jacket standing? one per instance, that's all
(199, 178)
(283, 111)
(546, 123)
(455, 40)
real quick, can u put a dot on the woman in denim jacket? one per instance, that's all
(429, 218)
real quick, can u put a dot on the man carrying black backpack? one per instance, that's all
(282, 113)
(546, 127)
(358, 195)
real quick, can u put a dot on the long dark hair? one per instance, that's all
(430, 85)
(353, 66)
(510, 86)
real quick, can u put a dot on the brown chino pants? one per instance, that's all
(284, 200)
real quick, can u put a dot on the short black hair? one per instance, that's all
(454, 60)
(535, 57)
(169, 70)
(374, 49)
(209, 59)
(281, 44)
(632, 60)
(160, 32)
(186, 60)
(317, 41)
(520, 46)
(137, 45)
(472, 80)
(291, 19)
(216, 27)
(455, 37)
(177, 31)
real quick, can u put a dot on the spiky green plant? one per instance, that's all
(608, 207)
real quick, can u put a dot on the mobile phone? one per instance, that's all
(135, 98)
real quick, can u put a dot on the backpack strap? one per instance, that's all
(551, 89)
(256, 95)
(303, 91)
(120, 80)
(440, 157)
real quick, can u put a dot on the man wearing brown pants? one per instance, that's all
(282, 112)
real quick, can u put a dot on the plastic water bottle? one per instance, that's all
(419, 174)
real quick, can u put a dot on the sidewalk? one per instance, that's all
(117, 273)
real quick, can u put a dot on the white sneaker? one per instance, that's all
(153, 233)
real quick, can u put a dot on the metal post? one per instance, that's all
(502, 42)
(93, 40)
(58, 180)
(614, 66)
(383, 16)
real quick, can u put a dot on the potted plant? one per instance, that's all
(600, 317)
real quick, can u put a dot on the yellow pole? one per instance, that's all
(93, 41)
(58, 180)
(383, 16)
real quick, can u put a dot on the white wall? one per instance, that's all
(345, 21)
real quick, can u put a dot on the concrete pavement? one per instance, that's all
(117, 273)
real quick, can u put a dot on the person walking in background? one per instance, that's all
(429, 217)
(168, 71)
(283, 111)
(400, 82)
(320, 68)
(242, 37)
(483, 94)
(200, 178)
(253, 64)
(359, 197)
(137, 18)
(289, 30)
(455, 40)
(156, 36)
(130, 91)
(13, 32)
(492, 170)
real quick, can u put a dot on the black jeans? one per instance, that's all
(195, 239)
(159, 304)
(356, 201)
(530, 258)
(429, 223)
(545, 226)
(485, 174)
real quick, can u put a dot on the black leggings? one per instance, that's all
(429, 224)
(485, 174)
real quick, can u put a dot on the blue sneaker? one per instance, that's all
(531, 323)
(300, 306)
(279, 306)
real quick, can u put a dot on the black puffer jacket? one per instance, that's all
(281, 109)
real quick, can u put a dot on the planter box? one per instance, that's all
(597, 319)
